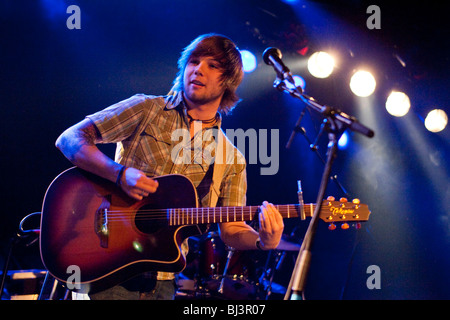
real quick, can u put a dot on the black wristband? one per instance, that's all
(119, 176)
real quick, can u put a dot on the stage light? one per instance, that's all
(362, 83)
(320, 64)
(248, 61)
(398, 104)
(299, 82)
(436, 120)
(343, 140)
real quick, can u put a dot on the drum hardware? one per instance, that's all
(225, 270)
(268, 274)
(222, 272)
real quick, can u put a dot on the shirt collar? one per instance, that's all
(173, 101)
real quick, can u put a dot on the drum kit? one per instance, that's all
(216, 271)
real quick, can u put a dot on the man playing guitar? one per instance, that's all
(210, 70)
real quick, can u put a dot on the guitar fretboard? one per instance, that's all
(186, 216)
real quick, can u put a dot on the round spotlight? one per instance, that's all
(248, 61)
(320, 64)
(299, 82)
(436, 120)
(398, 104)
(362, 83)
(343, 140)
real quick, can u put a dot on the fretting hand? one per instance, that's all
(271, 226)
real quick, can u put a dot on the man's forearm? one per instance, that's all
(78, 144)
(238, 235)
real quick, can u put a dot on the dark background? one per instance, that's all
(51, 77)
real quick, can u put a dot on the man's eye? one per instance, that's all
(217, 66)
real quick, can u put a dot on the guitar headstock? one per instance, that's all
(343, 211)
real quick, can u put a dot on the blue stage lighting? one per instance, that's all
(299, 82)
(54, 9)
(248, 60)
(343, 141)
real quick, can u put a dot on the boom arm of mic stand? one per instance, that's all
(343, 118)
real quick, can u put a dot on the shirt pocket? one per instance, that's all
(154, 150)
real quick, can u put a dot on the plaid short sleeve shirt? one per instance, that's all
(152, 135)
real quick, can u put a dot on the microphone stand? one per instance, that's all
(299, 274)
(335, 123)
(313, 147)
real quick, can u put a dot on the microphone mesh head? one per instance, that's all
(271, 52)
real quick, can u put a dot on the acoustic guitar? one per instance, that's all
(90, 225)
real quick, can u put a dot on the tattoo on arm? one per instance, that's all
(87, 135)
(75, 138)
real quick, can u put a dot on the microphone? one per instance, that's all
(272, 57)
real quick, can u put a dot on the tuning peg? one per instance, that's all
(331, 198)
(343, 200)
(332, 226)
(345, 226)
(357, 225)
(356, 203)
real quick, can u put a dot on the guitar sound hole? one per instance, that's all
(150, 220)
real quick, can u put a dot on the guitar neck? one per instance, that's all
(186, 216)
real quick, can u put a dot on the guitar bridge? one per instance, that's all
(101, 222)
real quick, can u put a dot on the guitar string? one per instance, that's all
(193, 213)
(279, 207)
(201, 210)
(183, 219)
(190, 211)
(190, 216)
(176, 214)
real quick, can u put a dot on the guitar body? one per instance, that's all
(88, 222)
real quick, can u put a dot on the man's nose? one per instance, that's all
(199, 68)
